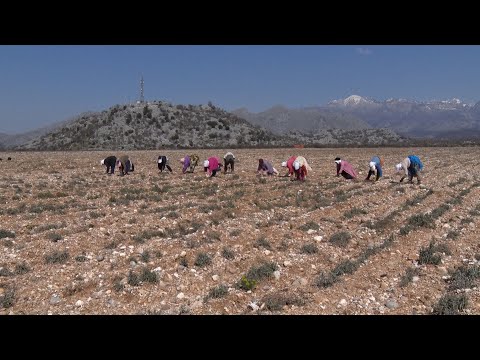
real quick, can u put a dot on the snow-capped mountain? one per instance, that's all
(414, 118)
(352, 101)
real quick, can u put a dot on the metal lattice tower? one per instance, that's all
(142, 100)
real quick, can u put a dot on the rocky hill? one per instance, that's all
(155, 125)
(158, 124)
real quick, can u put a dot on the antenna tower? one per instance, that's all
(142, 100)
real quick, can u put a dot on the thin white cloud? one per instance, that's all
(364, 51)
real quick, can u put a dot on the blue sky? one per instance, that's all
(40, 85)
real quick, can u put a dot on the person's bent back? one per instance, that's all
(163, 163)
(110, 163)
(375, 165)
(411, 166)
(125, 165)
(265, 167)
(345, 169)
(211, 166)
(229, 160)
(186, 163)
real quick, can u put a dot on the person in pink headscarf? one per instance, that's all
(212, 166)
(345, 169)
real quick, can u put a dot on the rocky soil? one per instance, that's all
(74, 240)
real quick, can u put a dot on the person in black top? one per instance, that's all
(109, 162)
(162, 163)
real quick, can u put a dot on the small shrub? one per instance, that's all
(117, 284)
(147, 235)
(228, 253)
(421, 220)
(212, 235)
(111, 245)
(466, 220)
(46, 227)
(404, 230)
(22, 268)
(96, 215)
(183, 261)
(365, 254)
(340, 239)
(263, 242)
(145, 256)
(443, 248)
(453, 234)
(148, 276)
(439, 211)
(408, 276)
(207, 208)
(6, 234)
(81, 258)
(247, 284)
(454, 201)
(464, 277)
(54, 237)
(283, 245)
(217, 292)
(326, 280)
(276, 302)
(202, 260)
(309, 249)
(464, 192)
(309, 225)
(133, 279)
(345, 267)
(262, 271)
(354, 212)
(173, 215)
(8, 243)
(427, 255)
(450, 304)
(49, 195)
(235, 232)
(57, 257)
(8, 298)
(5, 272)
(474, 212)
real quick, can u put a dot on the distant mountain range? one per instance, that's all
(355, 120)
(159, 124)
(281, 120)
(9, 141)
(435, 119)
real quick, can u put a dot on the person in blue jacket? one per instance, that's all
(375, 165)
(412, 166)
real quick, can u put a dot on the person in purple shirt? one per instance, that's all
(345, 169)
(186, 163)
(265, 167)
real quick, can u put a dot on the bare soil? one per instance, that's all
(159, 243)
